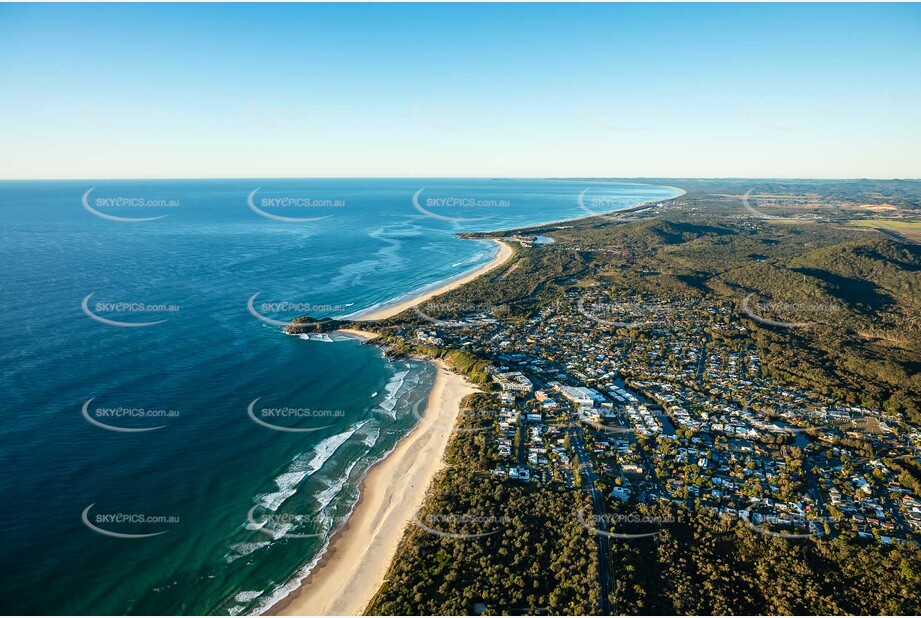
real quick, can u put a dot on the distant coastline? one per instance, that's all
(530, 229)
(505, 253)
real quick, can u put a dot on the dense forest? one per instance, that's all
(698, 565)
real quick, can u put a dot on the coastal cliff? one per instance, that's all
(308, 325)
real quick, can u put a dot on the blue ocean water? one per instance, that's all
(144, 369)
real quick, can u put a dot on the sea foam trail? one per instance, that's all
(239, 550)
(393, 387)
(245, 596)
(292, 584)
(324, 498)
(327, 495)
(370, 439)
(301, 468)
(472, 259)
(285, 589)
(287, 483)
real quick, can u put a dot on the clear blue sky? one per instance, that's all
(130, 91)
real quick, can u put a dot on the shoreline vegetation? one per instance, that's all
(354, 565)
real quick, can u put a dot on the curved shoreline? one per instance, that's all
(504, 254)
(353, 565)
(590, 214)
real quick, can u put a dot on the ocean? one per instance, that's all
(166, 448)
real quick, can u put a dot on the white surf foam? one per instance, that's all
(292, 584)
(470, 260)
(239, 550)
(301, 574)
(370, 438)
(321, 337)
(332, 490)
(302, 467)
(245, 596)
(392, 388)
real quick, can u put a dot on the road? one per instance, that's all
(587, 469)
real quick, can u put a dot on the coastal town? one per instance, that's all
(641, 402)
(461, 308)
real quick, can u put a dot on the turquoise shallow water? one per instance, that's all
(212, 511)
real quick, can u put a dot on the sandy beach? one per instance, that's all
(505, 253)
(358, 334)
(354, 565)
(356, 562)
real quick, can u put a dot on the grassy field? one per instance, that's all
(908, 229)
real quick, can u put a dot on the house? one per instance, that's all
(632, 469)
(522, 474)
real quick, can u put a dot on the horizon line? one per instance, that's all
(765, 178)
